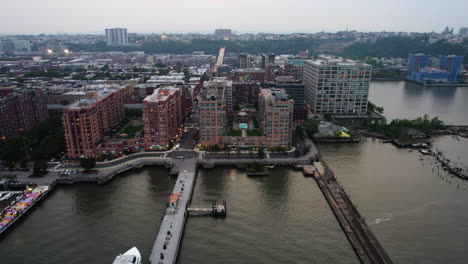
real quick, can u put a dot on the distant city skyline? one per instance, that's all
(204, 16)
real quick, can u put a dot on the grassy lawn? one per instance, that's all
(131, 130)
(253, 133)
(234, 133)
(128, 129)
(249, 106)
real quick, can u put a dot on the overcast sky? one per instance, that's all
(275, 16)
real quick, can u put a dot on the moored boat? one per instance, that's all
(132, 256)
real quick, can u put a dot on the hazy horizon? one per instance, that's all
(243, 16)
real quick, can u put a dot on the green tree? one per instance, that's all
(39, 167)
(204, 77)
(327, 117)
(4, 70)
(104, 68)
(300, 131)
(311, 127)
(88, 163)
(260, 153)
(215, 148)
(24, 164)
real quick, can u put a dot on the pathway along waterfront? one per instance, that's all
(170, 233)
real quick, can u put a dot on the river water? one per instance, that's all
(417, 212)
(408, 100)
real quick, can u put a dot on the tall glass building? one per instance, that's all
(416, 62)
(452, 65)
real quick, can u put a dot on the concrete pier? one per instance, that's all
(169, 237)
(363, 241)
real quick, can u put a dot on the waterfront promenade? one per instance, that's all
(184, 163)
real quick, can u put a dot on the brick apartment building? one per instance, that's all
(162, 117)
(212, 112)
(87, 120)
(21, 110)
(275, 117)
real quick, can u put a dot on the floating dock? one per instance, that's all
(217, 209)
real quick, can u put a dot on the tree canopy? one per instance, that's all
(88, 163)
(311, 127)
(402, 46)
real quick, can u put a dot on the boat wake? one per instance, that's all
(380, 220)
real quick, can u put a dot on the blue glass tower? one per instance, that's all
(452, 65)
(417, 62)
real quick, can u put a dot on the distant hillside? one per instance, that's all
(291, 46)
(402, 46)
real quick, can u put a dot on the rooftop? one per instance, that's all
(161, 94)
(334, 60)
(95, 93)
(275, 95)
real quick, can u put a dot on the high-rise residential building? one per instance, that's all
(268, 59)
(223, 32)
(337, 86)
(294, 68)
(463, 31)
(249, 74)
(245, 61)
(86, 121)
(416, 62)
(452, 64)
(21, 110)
(295, 89)
(116, 36)
(212, 115)
(245, 93)
(275, 117)
(222, 83)
(162, 117)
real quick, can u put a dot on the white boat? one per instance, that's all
(6, 196)
(424, 152)
(130, 257)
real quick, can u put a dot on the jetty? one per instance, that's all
(364, 243)
(169, 236)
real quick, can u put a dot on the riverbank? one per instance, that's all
(435, 84)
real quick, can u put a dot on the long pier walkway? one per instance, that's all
(169, 237)
(363, 241)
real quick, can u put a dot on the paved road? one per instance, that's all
(187, 154)
(187, 141)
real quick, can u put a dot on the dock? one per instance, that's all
(10, 220)
(169, 237)
(216, 209)
(365, 244)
